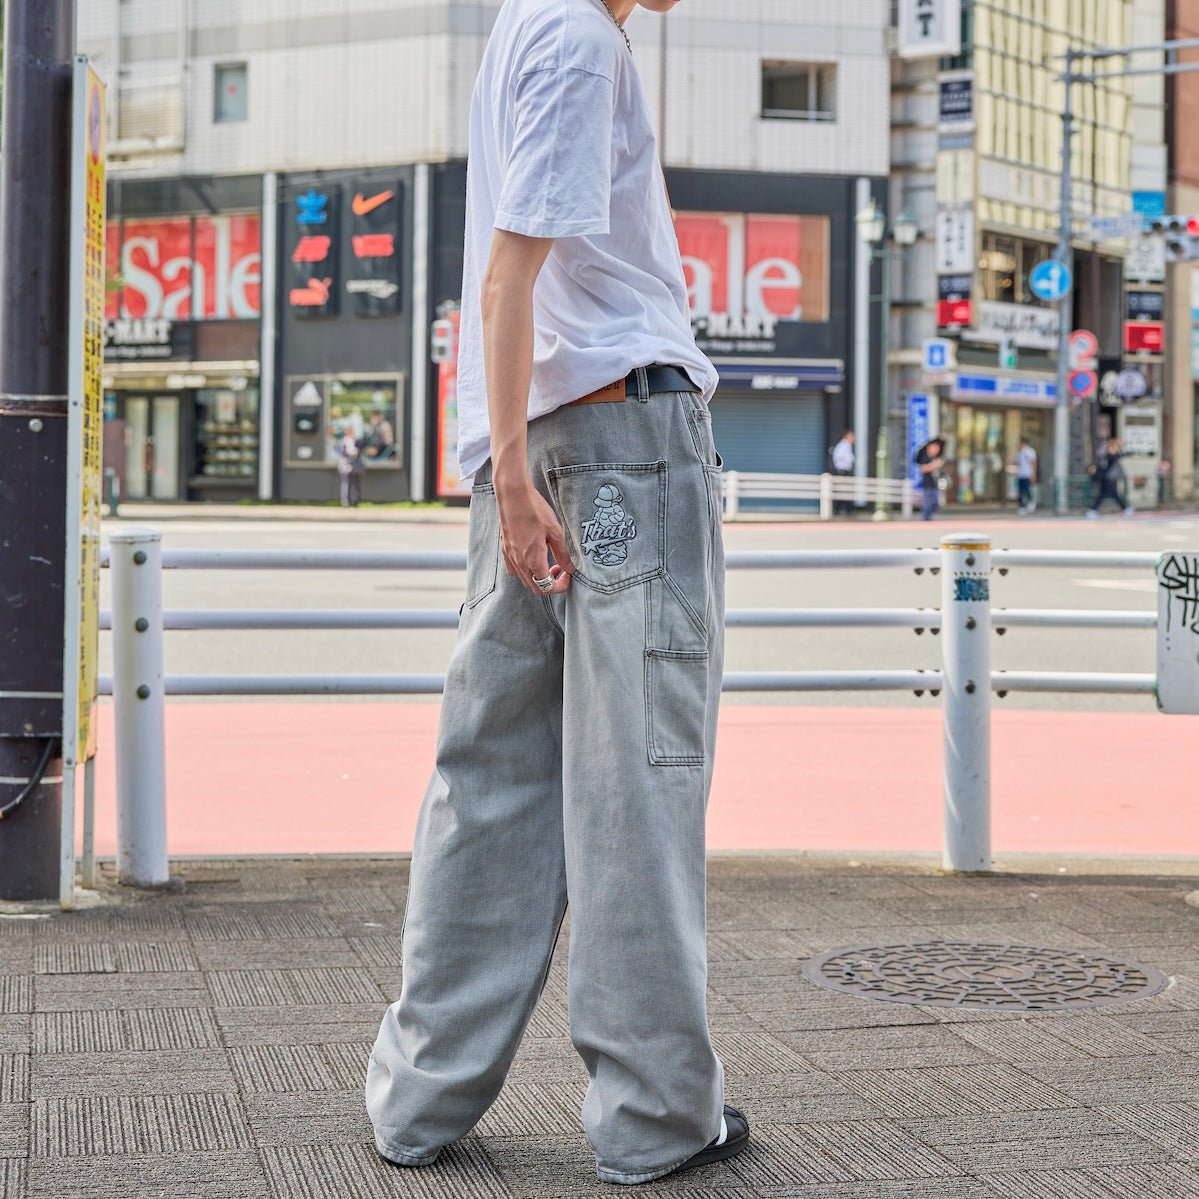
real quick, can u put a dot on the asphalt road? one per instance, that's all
(748, 649)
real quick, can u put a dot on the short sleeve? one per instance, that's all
(558, 176)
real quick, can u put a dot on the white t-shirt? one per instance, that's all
(562, 146)
(843, 456)
(1026, 462)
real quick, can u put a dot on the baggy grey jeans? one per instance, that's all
(574, 759)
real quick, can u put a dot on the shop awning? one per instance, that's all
(807, 375)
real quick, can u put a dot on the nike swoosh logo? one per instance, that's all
(362, 205)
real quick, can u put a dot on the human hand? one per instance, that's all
(529, 532)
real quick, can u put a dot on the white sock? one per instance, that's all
(724, 1131)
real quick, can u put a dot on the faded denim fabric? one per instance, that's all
(573, 765)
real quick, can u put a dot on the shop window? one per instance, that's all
(227, 434)
(799, 91)
(230, 97)
(367, 411)
(997, 266)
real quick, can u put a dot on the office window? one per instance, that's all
(229, 92)
(799, 91)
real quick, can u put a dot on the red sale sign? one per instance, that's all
(187, 268)
(764, 267)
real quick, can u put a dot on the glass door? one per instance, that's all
(151, 448)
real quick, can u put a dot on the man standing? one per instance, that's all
(1026, 476)
(575, 749)
(928, 459)
(842, 455)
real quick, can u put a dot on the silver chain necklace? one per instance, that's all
(618, 25)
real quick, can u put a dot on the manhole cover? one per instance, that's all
(969, 974)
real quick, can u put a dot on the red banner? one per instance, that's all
(757, 265)
(186, 268)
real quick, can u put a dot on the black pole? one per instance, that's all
(35, 186)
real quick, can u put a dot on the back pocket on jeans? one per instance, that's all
(483, 544)
(676, 705)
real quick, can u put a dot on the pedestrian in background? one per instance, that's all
(929, 460)
(842, 457)
(1026, 476)
(350, 469)
(1107, 480)
(578, 722)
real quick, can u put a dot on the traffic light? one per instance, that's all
(1009, 357)
(1180, 234)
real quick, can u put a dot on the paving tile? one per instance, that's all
(1173, 1126)
(341, 1171)
(292, 1118)
(1152, 1078)
(912, 1046)
(756, 1053)
(1075, 1153)
(189, 1175)
(16, 994)
(523, 1110)
(13, 1176)
(110, 1031)
(366, 899)
(293, 954)
(299, 1024)
(261, 926)
(75, 957)
(15, 1032)
(115, 992)
(14, 1078)
(14, 1130)
(154, 1124)
(280, 1068)
(323, 985)
(952, 1090)
(1076, 1123)
(378, 951)
(158, 1072)
(1160, 1181)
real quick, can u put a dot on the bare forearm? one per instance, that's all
(507, 309)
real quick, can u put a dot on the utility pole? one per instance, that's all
(39, 44)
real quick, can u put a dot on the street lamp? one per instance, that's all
(871, 223)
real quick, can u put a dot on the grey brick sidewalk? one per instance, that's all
(212, 1042)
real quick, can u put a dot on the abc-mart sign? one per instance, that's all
(186, 268)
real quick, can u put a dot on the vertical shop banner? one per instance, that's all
(185, 268)
(86, 415)
(752, 279)
(918, 433)
(449, 478)
(313, 250)
(373, 273)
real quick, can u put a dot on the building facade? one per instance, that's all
(286, 219)
(977, 135)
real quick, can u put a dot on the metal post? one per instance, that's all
(87, 868)
(966, 649)
(826, 496)
(881, 471)
(139, 706)
(35, 196)
(732, 501)
(1061, 404)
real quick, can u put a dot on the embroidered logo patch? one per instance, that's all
(607, 534)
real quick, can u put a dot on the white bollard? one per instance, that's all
(826, 497)
(966, 664)
(139, 706)
(731, 498)
(905, 505)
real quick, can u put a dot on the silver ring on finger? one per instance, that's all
(545, 586)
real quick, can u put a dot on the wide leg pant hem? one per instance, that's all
(406, 1157)
(628, 1180)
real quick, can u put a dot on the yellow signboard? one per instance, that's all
(93, 413)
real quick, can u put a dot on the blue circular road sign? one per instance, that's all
(1050, 280)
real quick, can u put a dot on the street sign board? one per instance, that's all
(1050, 280)
(955, 241)
(953, 313)
(1130, 385)
(1082, 383)
(1144, 337)
(1130, 224)
(1178, 632)
(1083, 347)
(1146, 261)
(939, 359)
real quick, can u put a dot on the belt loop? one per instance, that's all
(642, 384)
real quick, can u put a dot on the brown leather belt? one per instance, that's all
(657, 378)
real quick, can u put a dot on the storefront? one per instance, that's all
(182, 340)
(345, 325)
(982, 425)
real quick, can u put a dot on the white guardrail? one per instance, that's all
(965, 681)
(827, 490)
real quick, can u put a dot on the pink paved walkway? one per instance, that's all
(283, 778)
